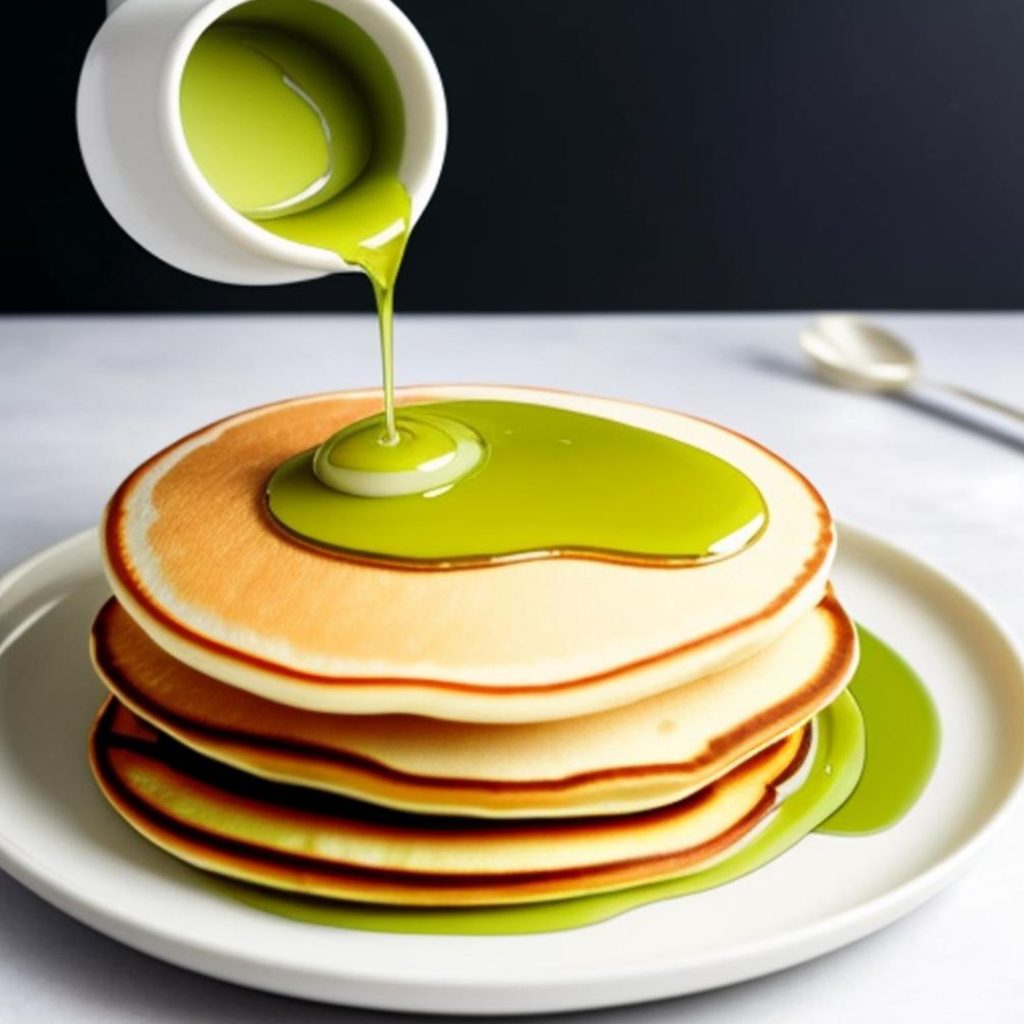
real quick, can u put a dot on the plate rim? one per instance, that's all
(544, 991)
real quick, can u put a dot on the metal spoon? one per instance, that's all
(853, 353)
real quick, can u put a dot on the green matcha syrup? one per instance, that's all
(832, 775)
(294, 117)
(304, 138)
(903, 736)
(550, 481)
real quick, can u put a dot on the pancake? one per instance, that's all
(644, 755)
(193, 558)
(299, 840)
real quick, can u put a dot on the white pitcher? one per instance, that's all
(133, 143)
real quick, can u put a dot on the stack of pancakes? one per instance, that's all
(525, 731)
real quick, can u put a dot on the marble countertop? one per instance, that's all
(82, 400)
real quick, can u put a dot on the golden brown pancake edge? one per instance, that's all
(117, 732)
(292, 753)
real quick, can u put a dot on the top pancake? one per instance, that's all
(192, 556)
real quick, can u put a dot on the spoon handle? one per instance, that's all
(988, 403)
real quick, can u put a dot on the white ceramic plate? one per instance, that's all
(59, 838)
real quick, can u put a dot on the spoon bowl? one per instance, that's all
(853, 353)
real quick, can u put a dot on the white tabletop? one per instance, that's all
(82, 400)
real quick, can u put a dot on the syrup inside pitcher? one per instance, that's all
(293, 115)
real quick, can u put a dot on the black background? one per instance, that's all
(638, 154)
